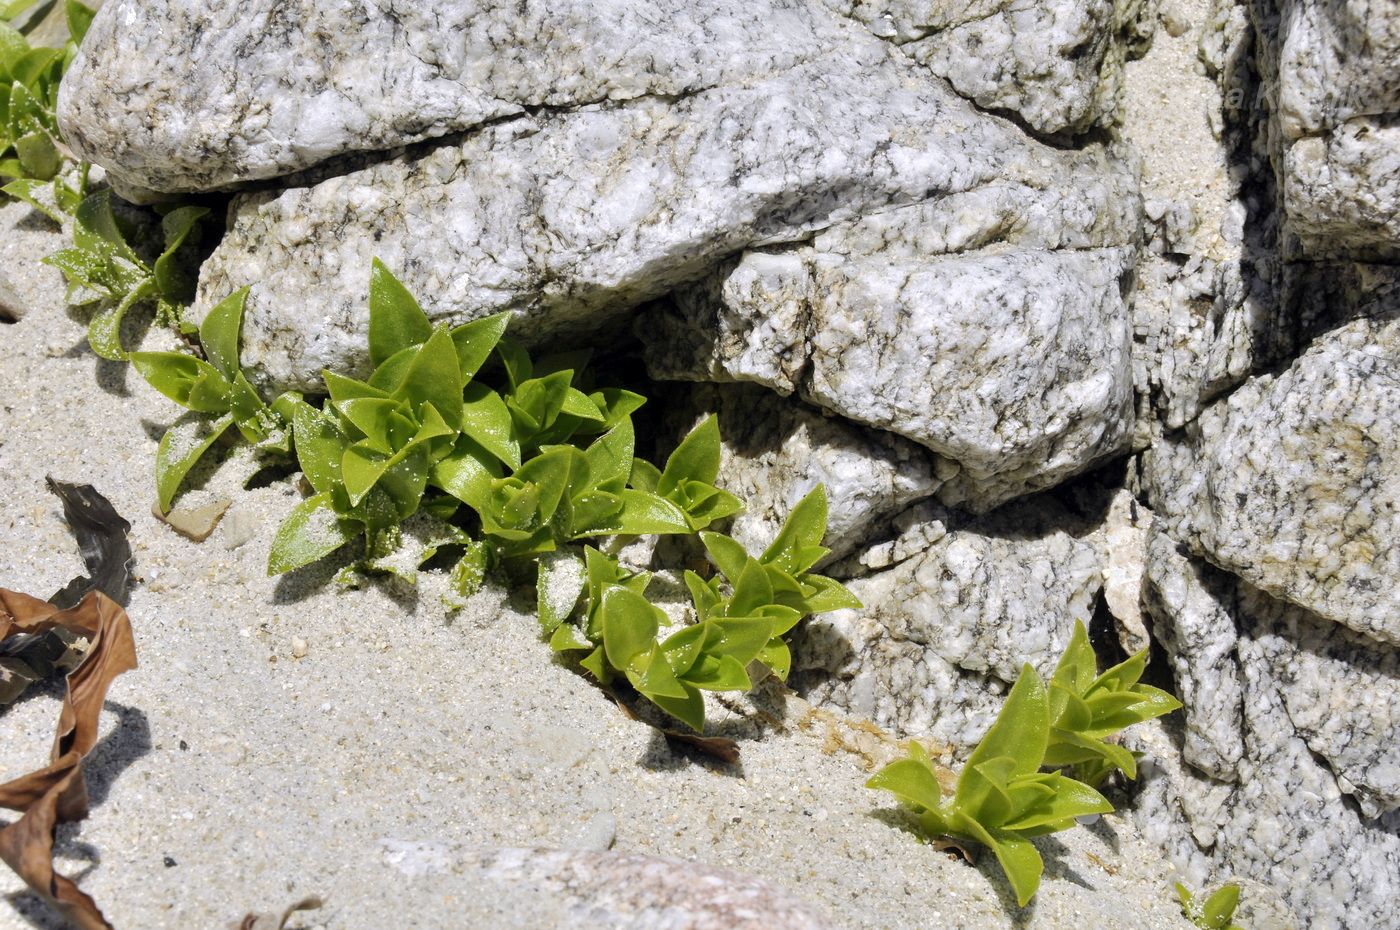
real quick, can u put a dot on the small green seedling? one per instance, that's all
(1002, 798)
(1216, 913)
(688, 480)
(102, 265)
(216, 390)
(1087, 709)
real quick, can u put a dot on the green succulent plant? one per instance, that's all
(1217, 912)
(688, 480)
(102, 265)
(1002, 798)
(768, 596)
(370, 455)
(30, 149)
(1087, 709)
(216, 391)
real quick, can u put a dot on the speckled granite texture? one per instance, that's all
(284, 86)
(1296, 718)
(1075, 317)
(1057, 65)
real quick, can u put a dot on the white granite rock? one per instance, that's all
(1189, 606)
(180, 95)
(878, 321)
(1316, 720)
(1333, 91)
(775, 450)
(1293, 481)
(571, 219)
(1055, 64)
(947, 629)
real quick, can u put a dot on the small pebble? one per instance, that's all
(170, 863)
(598, 834)
(1174, 20)
(299, 648)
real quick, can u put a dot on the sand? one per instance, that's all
(235, 775)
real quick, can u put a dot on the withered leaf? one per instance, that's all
(102, 541)
(101, 534)
(57, 793)
(275, 921)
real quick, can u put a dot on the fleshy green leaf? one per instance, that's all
(467, 472)
(729, 556)
(695, 459)
(174, 274)
(189, 381)
(320, 446)
(1020, 731)
(486, 419)
(218, 334)
(558, 587)
(1220, 906)
(912, 780)
(629, 625)
(804, 527)
(718, 673)
(396, 321)
(311, 531)
(476, 340)
(183, 444)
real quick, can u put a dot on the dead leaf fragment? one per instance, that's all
(57, 793)
(102, 541)
(269, 921)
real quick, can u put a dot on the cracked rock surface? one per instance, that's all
(947, 629)
(1293, 481)
(1055, 64)
(285, 86)
(571, 219)
(1315, 716)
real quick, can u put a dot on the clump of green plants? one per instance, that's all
(103, 266)
(1217, 912)
(1088, 709)
(31, 153)
(1004, 796)
(523, 465)
(740, 617)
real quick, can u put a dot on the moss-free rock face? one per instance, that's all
(279, 87)
(1296, 720)
(1293, 481)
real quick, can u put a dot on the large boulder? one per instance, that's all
(278, 87)
(570, 219)
(989, 326)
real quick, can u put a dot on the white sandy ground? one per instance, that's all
(234, 776)
(1166, 107)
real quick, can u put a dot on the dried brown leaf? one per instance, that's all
(266, 921)
(57, 793)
